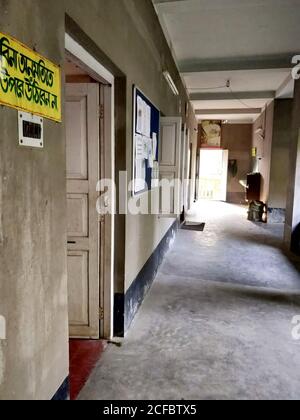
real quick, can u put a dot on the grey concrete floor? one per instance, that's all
(217, 323)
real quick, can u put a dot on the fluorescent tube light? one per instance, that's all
(171, 83)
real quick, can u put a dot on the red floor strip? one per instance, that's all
(84, 355)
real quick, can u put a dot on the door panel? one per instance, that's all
(78, 215)
(168, 145)
(170, 168)
(78, 271)
(83, 161)
(166, 199)
(183, 168)
(77, 153)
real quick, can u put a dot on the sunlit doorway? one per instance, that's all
(213, 174)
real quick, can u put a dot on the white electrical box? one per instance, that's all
(31, 130)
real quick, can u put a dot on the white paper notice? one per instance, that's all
(150, 161)
(145, 147)
(140, 115)
(144, 118)
(150, 153)
(139, 147)
(154, 146)
(148, 121)
(140, 175)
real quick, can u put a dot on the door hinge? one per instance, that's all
(101, 314)
(101, 112)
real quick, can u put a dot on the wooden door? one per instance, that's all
(170, 162)
(225, 160)
(190, 181)
(83, 157)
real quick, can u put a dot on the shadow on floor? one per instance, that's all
(293, 259)
(259, 239)
(233, 292)
(267, 239)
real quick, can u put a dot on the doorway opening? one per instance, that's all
(89, 103)
(213, 174)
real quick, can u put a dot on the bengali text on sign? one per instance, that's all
(28, 81)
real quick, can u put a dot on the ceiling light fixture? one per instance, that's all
(171, 82)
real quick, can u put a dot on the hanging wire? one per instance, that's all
(238, 99)
(209, 88)
(228, 86)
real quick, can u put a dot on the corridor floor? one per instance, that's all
(217, 323)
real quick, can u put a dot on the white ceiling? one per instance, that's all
(230, 118)
(230, 104)
(247, 42)
(210, 29)
(241, 80)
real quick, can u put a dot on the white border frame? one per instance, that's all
(104, 76)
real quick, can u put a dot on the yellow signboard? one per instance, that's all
(28, 81)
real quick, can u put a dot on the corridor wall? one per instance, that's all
(125, 36)
(237, 138)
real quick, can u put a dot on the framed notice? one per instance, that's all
(146, 126)
(211, 132)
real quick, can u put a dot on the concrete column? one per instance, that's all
(293, 200)
(280, 160)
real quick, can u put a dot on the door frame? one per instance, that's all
(223, 179)
(107, 141)
(183, 202)
(190, 173)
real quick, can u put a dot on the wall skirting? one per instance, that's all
(119, 314)
(127, 306)
(63, 393)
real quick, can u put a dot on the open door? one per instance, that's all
(225, 161)
(83, 157)
(213, 174)
(169, 166)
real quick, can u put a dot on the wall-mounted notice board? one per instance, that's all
(146, 125)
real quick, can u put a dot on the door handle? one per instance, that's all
(71, 243)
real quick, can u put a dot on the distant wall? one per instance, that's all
(237, 138)
(273, 155)
(293, 200)
(280, 156)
